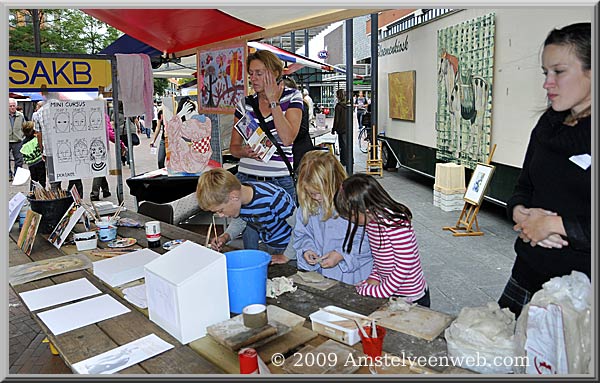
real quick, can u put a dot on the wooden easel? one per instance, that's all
(374, 161)
(468, 216)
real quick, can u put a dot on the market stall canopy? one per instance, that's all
(128, 44)
(296, 61)
(181, 30)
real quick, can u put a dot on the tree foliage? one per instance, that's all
(61, 31)
(160, 85)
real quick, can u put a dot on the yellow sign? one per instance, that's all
(58, 74)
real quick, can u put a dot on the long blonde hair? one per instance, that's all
(322, 173)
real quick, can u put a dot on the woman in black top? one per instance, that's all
(551, 204)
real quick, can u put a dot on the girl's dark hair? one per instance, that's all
(362, 194)
(578, 36)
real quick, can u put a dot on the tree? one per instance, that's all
(160, 84)
(61, 31)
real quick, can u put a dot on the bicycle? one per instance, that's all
(364, 140)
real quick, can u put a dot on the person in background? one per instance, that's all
(551, 203)
(263, 206)
(281, 108)
(361, 107)
(15, 123)
(319, 230)
(340, 122)
(309, 101)
(37, 116)
(154, 116)
(32, 154)
(101, 183)
(160, 131)
(397, 270)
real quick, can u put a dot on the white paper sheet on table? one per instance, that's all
(61, 293)
(123, 356)
(136, 295)
(76, 315)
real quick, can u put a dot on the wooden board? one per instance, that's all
(336, 355)
(228, 361)
(324, 285)
(234, 335)
(419, 321)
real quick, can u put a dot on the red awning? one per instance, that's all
(174, 30)
(179, 30)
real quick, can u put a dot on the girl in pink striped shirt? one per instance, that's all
(397, 268)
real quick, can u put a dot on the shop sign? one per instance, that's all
(29, 74)
(398, 47)
(323, 54)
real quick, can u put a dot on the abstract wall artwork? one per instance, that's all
(221, 78)
(75, 139)
(465, 75)
(401, 87)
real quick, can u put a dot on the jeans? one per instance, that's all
(162, 154)
(15, 149)
(250, 236)
(100, 183)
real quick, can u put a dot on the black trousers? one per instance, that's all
(38, 173)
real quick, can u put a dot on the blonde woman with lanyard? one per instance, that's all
(281, 109)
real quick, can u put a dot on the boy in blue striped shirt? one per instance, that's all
(262, 205)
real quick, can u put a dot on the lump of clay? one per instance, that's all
(278, 286)
(311, 276)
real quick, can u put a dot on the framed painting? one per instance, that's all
(221, 78)
(478, 184)
(401, 87)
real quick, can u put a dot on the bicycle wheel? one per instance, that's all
(363, 140)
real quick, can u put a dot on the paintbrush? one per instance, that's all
(214, 226)
(361, 328)
(373, 329)
(118, 211)
(208, 235)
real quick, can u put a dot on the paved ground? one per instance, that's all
(461, 271)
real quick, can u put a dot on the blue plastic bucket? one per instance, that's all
(246, 278)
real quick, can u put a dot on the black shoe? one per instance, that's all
(94, 198)
(106, 194)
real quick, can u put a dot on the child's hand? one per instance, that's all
(331, 259)
(311, 257)
(372, 282)
(278, 259)
(217, 243)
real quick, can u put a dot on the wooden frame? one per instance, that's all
(402, 90)
(478, 183)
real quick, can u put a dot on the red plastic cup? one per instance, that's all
(248, 361)
(372, 347)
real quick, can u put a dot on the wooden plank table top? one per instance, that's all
(92, 340)
(86, 342)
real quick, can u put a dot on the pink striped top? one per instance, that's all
(396, 262)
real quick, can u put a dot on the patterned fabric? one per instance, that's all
(201, 146)
(290, 98)
(396, 262)
(271, 205)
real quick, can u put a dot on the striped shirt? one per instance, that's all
(396, 262)
(290, 98)
(271, 205)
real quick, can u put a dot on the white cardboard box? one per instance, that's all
(124, 268)
(321, 323)
(187, 291)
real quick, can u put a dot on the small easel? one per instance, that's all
(468, 216)
(374, 161)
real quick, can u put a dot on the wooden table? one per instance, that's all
(198, 357)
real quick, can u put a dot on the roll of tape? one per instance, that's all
(255, 316)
